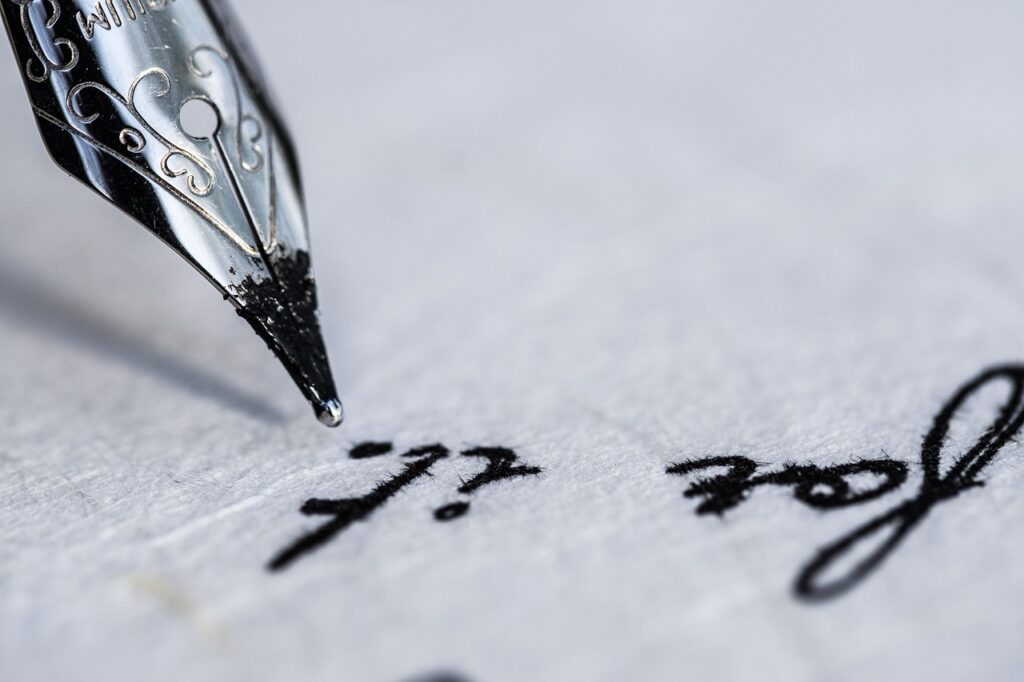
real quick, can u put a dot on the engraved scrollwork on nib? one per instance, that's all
(257, 151)
(201, 179)
(249, 130)
(160, 107)
(132, 140)
(39, 69)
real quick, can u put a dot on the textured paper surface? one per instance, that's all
(609, 235)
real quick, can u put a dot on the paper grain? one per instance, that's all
(610, 236)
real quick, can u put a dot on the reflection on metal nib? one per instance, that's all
(109, 80)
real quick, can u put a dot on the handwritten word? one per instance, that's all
(831, 487)
(818, 487)
(500, 465)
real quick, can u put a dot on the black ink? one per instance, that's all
(828, 487)
(282, 311)
(350, 510)
(500, 467)
(726, 491)
(426, 450)
(935, 487)
(452, 511)
(722, 492)
(440, 677)
(371, 449)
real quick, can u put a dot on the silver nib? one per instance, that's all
(159, 106)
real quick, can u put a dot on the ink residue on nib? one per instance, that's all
(330, 413)
(282, 309)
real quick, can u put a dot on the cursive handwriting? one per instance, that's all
(818, 487)
(830, 487)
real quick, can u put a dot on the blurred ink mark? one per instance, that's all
(450, 512)
(501, 466)
(881, 536)
(32, 303)
(440, 677)
(424, 450)
(368, 450)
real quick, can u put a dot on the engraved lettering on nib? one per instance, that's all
(107, 15)
(242, 161)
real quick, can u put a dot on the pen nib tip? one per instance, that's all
(330, 413)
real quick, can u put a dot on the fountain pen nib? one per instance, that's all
(160, 107)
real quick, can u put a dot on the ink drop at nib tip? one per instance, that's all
(330, 413)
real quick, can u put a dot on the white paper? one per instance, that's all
(610, 236)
